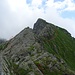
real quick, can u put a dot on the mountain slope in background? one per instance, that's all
(44, 50)
(2, 41)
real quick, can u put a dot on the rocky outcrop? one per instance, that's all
(36, 52)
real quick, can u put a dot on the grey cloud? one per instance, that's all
(8, 21)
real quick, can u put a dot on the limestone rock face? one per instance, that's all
(20, 42)
(39, 25)
(36, 52)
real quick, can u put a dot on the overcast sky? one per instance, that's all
(15, 15)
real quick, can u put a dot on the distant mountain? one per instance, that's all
(2, 41)
(3, 44)
(44, 50)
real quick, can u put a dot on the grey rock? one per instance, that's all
(26, 50)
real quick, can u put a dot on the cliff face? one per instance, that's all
(44, 50)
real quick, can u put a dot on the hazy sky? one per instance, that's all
(15, 15)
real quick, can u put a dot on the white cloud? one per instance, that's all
(66, 5)
(36, 2)
(18, 15)
(70, 5)
(16, 5)
(50, 3)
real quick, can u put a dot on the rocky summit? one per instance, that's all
(44, 50)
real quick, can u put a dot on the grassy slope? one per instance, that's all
(63, 46)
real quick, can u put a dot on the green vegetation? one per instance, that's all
(46, 71)
(3, 45)
(11, 68)
(62, 45)
(31, 48)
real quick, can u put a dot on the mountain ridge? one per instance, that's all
(44, 50)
